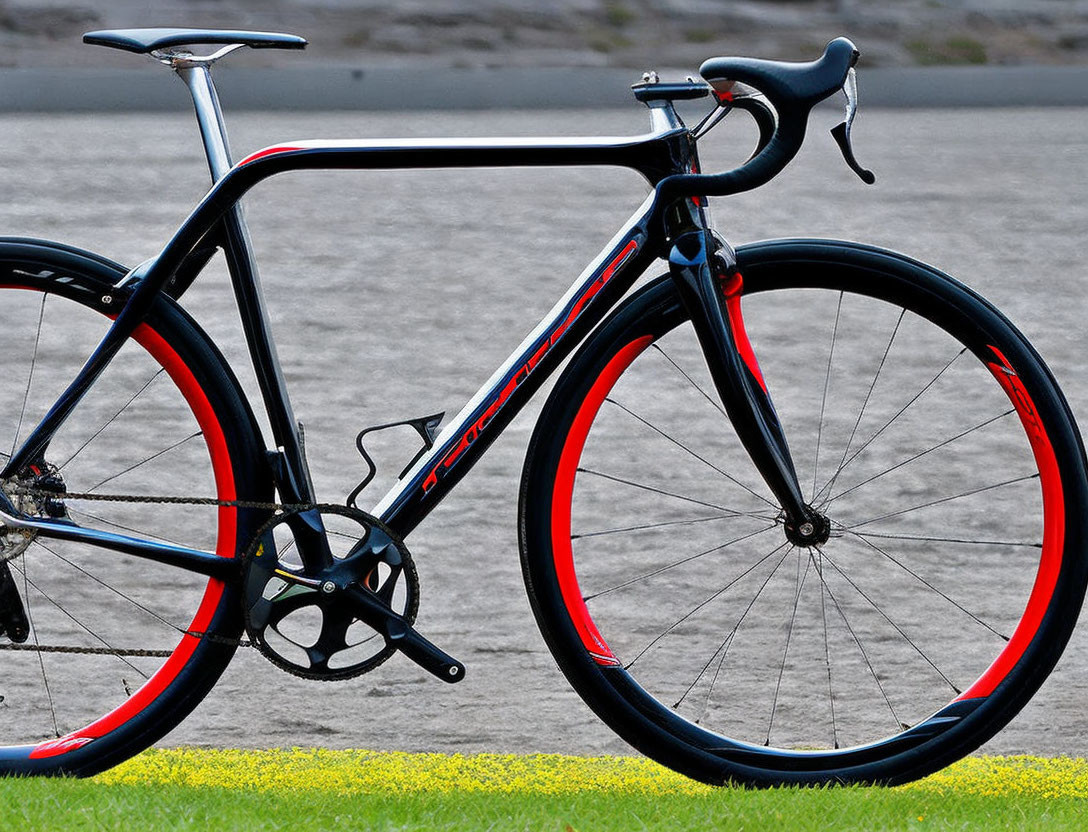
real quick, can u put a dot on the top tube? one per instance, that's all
(655, 155)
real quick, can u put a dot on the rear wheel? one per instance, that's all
(116, 650)
(922, 425)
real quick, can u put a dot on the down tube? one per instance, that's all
(479, 422)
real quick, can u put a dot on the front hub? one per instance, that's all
(813, 530)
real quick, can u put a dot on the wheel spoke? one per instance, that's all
(112, 650)
(717, 594)
(823, 399)
(644, 487)
(789, 635)
(30, 375)
(122, 526)
(110, 587)
(674, 564)
(831, 483)
(921, 454)
(915, 538)
(926, 583)
(868, 395)
(899, 724)
(727, 642)
(153, 456)
(942, 500)
(827, 647)
(649, 526)
(716, 405)
(111, 419)
(22, 568)
(684, 447)
(895, 626)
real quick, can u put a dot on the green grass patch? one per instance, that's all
(201, 789)
(955, 50)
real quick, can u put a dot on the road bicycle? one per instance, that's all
(803, 511)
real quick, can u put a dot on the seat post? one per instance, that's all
(172, 47)
(213, 130)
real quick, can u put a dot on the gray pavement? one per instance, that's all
(395, 294)
(365, 87)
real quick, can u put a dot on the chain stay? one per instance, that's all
(132, 498)
(164, 500)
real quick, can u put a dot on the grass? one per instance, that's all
(201, 789)
(955, 50)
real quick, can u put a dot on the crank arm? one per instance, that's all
(400, 634)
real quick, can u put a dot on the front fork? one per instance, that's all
(710, 286)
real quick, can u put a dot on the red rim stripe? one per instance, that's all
(227, 532)
(1050, 559)
(563, 495)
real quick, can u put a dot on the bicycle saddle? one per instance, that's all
(150, 40)
(787, 81)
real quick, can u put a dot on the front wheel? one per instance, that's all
(928, 432)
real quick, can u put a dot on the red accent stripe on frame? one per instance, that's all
(523, 372)
(733, 289)
(269, 151)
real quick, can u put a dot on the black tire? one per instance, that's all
(67, 709)
(681, 618)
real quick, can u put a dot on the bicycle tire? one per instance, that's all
(99, 708)
(662, 667)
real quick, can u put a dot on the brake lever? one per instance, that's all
(841, 132)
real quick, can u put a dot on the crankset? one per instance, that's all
(345, 618)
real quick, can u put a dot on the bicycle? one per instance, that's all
(921, 530)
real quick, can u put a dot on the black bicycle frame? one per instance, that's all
(668, 151)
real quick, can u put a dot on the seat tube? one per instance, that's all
(290, 466)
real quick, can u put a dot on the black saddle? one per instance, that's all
(150, 40)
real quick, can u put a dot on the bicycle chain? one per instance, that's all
(136, 652)
(159, 500)
(186, 501)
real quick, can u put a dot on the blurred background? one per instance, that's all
(622, 33)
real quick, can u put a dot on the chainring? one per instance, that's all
(311, 633)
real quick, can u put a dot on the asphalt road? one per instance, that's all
(396, 294)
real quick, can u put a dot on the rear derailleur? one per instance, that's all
(37, 492)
